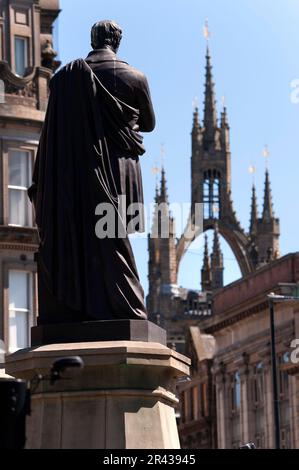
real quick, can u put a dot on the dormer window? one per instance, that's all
(211, 194)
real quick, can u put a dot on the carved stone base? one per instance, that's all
(104, 330)
(124, 398)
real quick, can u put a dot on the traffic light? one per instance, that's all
(14, 406)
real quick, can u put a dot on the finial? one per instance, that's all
(266, 154)
(268, 207)
(210, 114)
(206, 31)
(216, 256)
(252, 171)
(223, 101)
(163, 191)
(206, 267)
(195, 103)
(254, 212)
(206, 251)
(157, 191)
(224, 120)
(156, 171)
(196, 123)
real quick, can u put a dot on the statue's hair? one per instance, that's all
(106, 33)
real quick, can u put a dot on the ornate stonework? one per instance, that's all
(21, 118)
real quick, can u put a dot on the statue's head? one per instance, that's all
(106, 33)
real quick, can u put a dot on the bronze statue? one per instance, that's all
(89, 154)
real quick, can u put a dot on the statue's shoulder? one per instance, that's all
(74, 65)
(141, 82)
(69, 67)
(139, 76)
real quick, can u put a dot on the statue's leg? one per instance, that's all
(121, 281)
(50, 309)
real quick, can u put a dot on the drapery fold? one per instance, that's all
(86, 129)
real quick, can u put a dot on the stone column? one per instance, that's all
(245, 405)
(296, 424)
(295, 387)
(269, 418)
(241, 364)
(221, 406)
(294, 417)
(124, 398)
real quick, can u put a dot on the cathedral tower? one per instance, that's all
(211, 187)
(268, 228)
(177, 307)
(162, 254)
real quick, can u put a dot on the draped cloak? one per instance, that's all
(80, 273)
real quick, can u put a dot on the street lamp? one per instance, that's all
(15, 400)
(273, 299)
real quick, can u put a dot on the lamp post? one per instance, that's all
(273, 298)
(15, 401)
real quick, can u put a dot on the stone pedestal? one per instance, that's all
(103, 330)
(124, 398)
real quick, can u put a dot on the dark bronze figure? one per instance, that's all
(89, 154)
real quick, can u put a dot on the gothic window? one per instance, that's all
(21, 55)
(20, 308)
(211, 194)
(19, 176)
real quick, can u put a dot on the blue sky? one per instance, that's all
(255, 49)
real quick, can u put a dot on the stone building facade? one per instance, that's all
(197, 413)
(240, 366)
(228, 400)
(27, 62)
